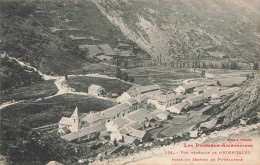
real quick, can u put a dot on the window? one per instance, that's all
(74, 120)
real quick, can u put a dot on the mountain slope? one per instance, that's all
(188, 28)
(39, 33)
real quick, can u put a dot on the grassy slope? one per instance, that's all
(81, 84)
(34, 91)
(28, 37)
(36, 114)
(13, 75)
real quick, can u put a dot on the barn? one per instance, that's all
(96, 90)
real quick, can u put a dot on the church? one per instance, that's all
(72, 124)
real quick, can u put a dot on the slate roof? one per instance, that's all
(124, 131)
(64, 130)
(136, 133)
(140, 115)
(191, 85)
(210, 92)
(98, 50)
(129, 139)
(133, 132)
(165, 98)
(144, 89)
(121, 121)
(163, 115)
(113, 111)
(84, 132)
(75, 113)
(131, 101)
(178, 106)
(141, 98)
(95, 87)
(195, 98)
(65, 121)
(92, 117)
(133, 93)
(134, 124)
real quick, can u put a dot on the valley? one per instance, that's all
(116, 82)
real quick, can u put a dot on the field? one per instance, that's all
(226, 71)
(165, 77)
(231, 81)
(81, 84)
(42, 89)
(50, 111)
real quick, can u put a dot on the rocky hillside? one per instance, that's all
(186, 28)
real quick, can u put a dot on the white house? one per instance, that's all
(86, 133)
(116, 136)
(137, 91)
(93, 118)
(127, 95)
(73, 123)
(163, 101)
(96, 90)
(142, 116)
(196, 100)
(116, 111)
(114, 125)
(162, 116)
(177, 108)
(188, 88)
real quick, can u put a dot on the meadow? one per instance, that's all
(81, 84)
(35, 114)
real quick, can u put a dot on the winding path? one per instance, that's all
(60, 83)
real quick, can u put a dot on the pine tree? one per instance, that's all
(119, 73)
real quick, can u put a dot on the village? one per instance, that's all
(118, 82)
(142, 109)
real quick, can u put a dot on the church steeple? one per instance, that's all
(76, 121)
(75, 113)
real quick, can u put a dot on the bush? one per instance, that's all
(203, 73)
(119, 73)
(16, 8)
(125, 76)
(131, 79)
